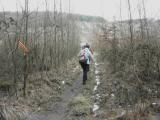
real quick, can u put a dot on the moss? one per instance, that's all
(80, 106)
(5, 85)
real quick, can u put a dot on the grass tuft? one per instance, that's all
(80, 106)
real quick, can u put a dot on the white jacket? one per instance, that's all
(89, 55)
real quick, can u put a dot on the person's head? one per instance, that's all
(87, 46)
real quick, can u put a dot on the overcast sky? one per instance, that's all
(104, 8)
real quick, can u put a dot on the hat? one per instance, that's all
(87, 45)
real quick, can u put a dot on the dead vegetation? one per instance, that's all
(36, 41)
(80, 106)
(132, 66)
(37, 51)
(44, 90)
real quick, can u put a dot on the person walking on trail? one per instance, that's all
(85, 58)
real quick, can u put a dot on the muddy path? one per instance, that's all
(58, 111)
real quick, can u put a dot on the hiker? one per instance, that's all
(85, 58)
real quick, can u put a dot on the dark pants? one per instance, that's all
(85, 68)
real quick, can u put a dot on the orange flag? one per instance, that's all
(23, 47)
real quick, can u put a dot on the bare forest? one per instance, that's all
(40, 74)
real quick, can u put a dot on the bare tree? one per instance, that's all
(26, 43)
(130, 22)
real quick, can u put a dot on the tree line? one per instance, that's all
(131, 48)
(51, 39)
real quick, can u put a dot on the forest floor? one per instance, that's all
(65, 98)
(78, 101)
(111, 98)
(57, 112)
(48, 93)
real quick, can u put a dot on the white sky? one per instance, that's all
(104, 8)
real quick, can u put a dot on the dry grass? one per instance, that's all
(80, 106)
(43, 91)
(13, 111)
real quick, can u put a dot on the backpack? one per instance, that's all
(83, 56)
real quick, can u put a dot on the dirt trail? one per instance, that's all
(58, 111)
